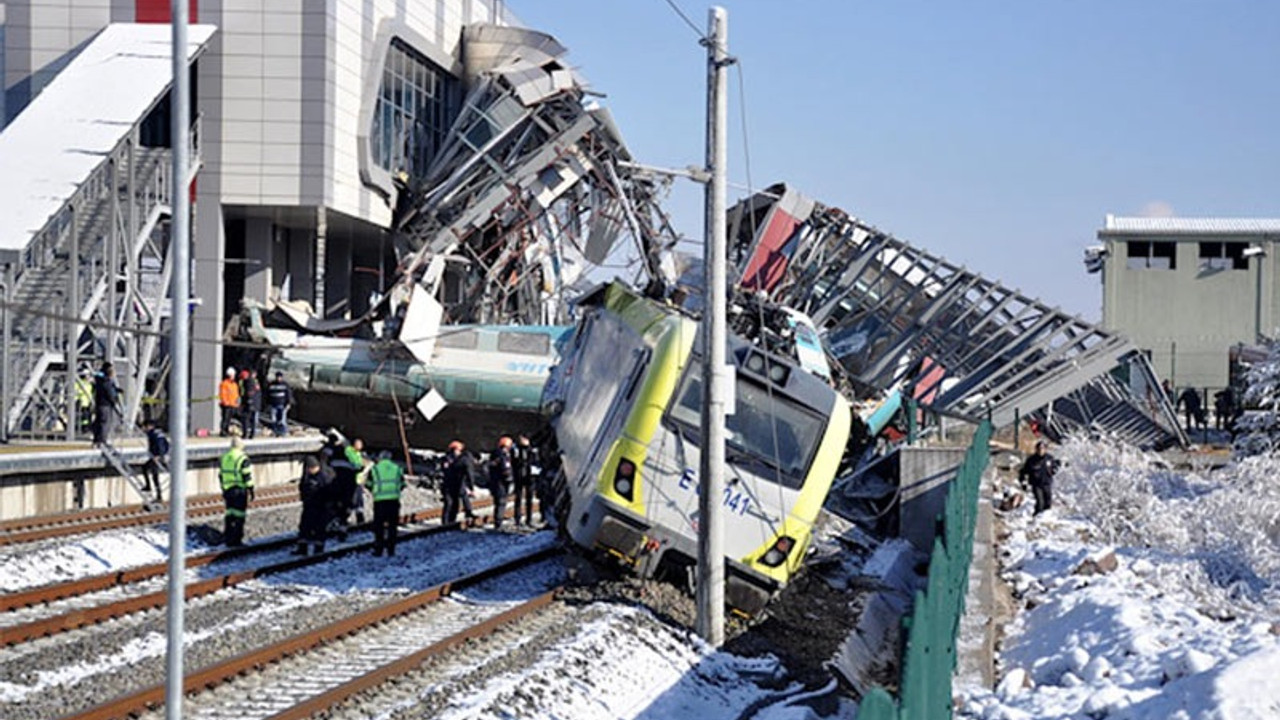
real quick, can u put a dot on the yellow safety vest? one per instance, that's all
(84, 392)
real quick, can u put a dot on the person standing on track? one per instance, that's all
(356, 456)
(500, 476)
(456, 485)
(313, 490)
(385, 482)
(343, 488)
(525, 470)
(229, 400)
(236, 474)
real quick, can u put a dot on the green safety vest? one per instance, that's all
(386, 480)
(234, 471)
(354, 457)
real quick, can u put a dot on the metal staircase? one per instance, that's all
(103, 260)
(139, 485)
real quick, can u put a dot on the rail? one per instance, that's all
(219, 673)
(82, 617)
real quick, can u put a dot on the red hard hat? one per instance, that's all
(504, 442)
(456, 445)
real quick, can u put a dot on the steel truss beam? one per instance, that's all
(896, 315)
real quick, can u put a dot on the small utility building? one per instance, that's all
(1187, 289)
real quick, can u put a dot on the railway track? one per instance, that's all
(14, 532)
(313, 671)
(45, 611)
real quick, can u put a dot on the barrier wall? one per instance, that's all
(929, 661)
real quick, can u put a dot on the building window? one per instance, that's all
(415, 106)
(1223, 256)
(1145, 255)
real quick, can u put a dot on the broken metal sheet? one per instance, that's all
(895, 316)
(528, 164)
(421, 325)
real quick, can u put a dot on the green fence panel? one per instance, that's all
(930, 657)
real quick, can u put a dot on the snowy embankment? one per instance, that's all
(1145, 593)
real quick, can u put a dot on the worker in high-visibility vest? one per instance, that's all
(84, 400)
(236, 474)
(385, 481)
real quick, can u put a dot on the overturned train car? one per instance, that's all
(482, 382)
(626, 402)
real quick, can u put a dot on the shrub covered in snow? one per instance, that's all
(1259, 428)
(1226, 522)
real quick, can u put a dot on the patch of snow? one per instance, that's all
(1182, 627)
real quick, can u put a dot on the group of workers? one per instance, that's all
(240, 399)
(513, 468)
(334, 481)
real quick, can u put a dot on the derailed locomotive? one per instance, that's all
(625, 404)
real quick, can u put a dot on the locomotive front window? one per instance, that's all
(765, 428)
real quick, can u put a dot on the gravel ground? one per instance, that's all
(76, 670)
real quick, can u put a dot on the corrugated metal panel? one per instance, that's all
(1190, 226)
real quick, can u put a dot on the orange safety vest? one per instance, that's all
(229, 394)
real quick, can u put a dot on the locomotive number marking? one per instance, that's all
(736, 500)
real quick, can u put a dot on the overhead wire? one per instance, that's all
(683, 16)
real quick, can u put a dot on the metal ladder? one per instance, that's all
(139, 485)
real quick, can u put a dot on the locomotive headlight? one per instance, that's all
(778, 553)
(624, 479)
(778, 373)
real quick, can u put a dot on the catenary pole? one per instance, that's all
(716, 385)
(180, 246)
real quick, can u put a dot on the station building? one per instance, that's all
(1187, 290)
(307, 114)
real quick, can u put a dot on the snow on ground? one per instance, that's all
(1184, 627)
(84, 556)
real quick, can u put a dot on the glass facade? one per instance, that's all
(416, 103)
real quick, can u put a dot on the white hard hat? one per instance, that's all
(231, 372)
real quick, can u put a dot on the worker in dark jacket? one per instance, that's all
(157, 454)
(313, 490)
(236, 475)
(385, 482)
(1037, 472)
(341, 491)
(1192, 407)
(279, 400)
(106, 404)
(525, 469)
(457, 484)
(250, 402)
(501, 474)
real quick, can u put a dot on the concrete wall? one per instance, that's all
(53, 488)
(1189, 317)
(924, 474)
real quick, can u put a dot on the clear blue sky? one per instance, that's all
(996, 134)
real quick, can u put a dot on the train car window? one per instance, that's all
(458, 339)
(766, 428)
(466, 390)
(522, 343)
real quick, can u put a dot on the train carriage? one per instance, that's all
(627, 397)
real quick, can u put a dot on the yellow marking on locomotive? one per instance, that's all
(798, 523)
